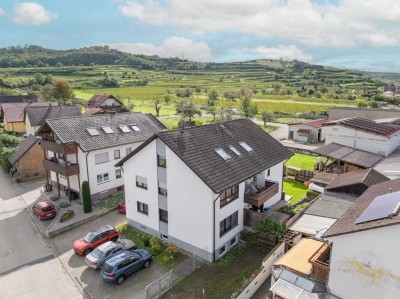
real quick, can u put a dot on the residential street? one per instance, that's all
(28, 267)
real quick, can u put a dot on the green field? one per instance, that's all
(302, 161)
(295, 189)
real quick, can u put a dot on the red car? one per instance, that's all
(121, 207)
(94, 239)
(44, 209)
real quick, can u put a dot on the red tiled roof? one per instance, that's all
(366, 125)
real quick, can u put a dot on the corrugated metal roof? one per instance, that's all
(312, 225)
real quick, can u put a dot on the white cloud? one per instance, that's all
(2, 12)
(285, 52)
(171, 47)
(348, 23)
(31, 13)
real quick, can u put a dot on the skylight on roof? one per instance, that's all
(107, 129)
(246, 146)
(93, 131)
(135, 128)
(235, 150)
(223, 154)
(124, 128)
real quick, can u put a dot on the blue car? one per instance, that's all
(121, 264)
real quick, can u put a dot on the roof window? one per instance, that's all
(107, 129)
(135, 127)
(93, 131)
(235, 150)
(223, 154)
(246, 146)
(124, 128)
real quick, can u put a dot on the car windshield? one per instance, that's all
(47, 209)
(107, 268)
(88, 238)
(97, 253)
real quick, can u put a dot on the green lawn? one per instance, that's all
(302, 161)
(295, 189)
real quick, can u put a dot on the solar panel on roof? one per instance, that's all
(381, 207)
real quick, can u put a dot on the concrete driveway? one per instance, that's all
(91, 281)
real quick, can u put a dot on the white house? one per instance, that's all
(364, 262)
(81, 149)
(364, 134)
(309, 131)
(191, 186)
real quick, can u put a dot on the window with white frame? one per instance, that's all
(101, 158)
(117, 154)
(118, 173)
(141, 182)
(101, 178)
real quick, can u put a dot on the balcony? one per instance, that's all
(258, 196)
(64, 169)
(64, 149)
(320, 264)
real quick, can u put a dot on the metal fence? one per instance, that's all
(168, 280)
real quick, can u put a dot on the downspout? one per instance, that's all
(214, 226)
(87, 168)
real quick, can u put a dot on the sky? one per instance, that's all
(354, 34)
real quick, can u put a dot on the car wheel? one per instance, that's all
(87, 251)
(120, 279)
(146, 264)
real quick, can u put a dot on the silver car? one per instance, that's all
(97, 257)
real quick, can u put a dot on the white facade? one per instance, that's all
(29, 128)
(358, 139)
(313, 136)
(110, 102)
(194, 211)
(365, 264)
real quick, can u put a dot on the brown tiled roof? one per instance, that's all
(346, 224)
(17, 99)
(98, 99)
(324, 178)
(25, 145)
(366, 125)
(93, 111)
(196, 148)
(367, 177)
(15, 112)
(348, 154)
(73, 129)
(316, 123)
(38, 115)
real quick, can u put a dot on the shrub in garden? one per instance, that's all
(122, 228)
(172, 252)
(155, 243)
(146, 242)
(68, 214)
(87, 200)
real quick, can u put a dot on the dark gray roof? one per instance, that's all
(73, 129)
(346, 224)
(331, 205)
(349, 154)
(38, 115)
(17, 99)
(196, 148)
(25, 145)
(98, 99)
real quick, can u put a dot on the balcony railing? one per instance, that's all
(320, 264)
(262, 195)
(64, 169)
(64, 149)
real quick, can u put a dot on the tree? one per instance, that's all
(86, 197)
(248, 108)
(167, 98)
(187, 109)
(157, 106)
(47, 92)
(63, 91)
(266, 116)
(212, 110)
(212, 97)
(272, 227)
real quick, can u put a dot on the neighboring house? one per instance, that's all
(309, 131)
(363, 262)
(342, 159)
(302, 272)
(191, 186)
(14, 115)
(82, 148)
(93, 111)
(321, 180)
(105, 102)
(27, 161)
(16, 99)
(35, 117)
(363, 134)
(336, 113)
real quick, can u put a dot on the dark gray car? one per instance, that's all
(97, 257)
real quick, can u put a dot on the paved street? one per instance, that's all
(28, 268)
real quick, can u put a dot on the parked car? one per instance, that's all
(118, 266)
(44, 209)
(96, 258)
(122, 207)
(94, 239)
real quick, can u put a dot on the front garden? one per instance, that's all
(302, 161)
